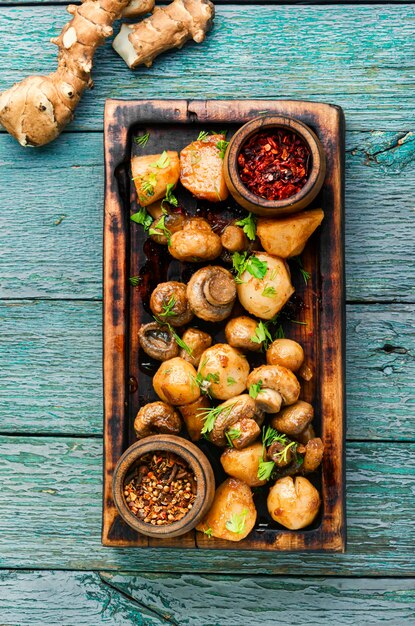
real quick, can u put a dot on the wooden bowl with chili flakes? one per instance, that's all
(163, 486)
(274, 165)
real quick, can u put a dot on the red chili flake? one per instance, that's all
(274, 165)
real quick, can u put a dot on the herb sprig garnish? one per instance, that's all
(204, 382)
(269, 292)
(176, 337)
(161, 229)
(170, 197)
(306, 275)
(208, 532)
(163, 161)
(221, 146)
(262, 335)
(231, 435)
(167, 308)
(210, 416)
(203, 135)
(248, 224)
(141, 140)
(241, 262)
(134, 280)
(269, 436)
(142, 217)
(255, 389)
(237, 522)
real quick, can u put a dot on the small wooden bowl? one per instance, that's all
(259, 205)
(197, 462)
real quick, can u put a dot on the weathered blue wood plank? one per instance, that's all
(50, 359)
(36, 598)
(359, 57)
(51, 500)
(51, 222)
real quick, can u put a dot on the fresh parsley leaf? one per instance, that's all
(170, 197)
(265, 469)
(208, 532)
(262, 334)
(142, 139)
(254, 389)
(221, 146)
(161, 228)
(237, 522)
(231, 381)
(248, 226)
(269, 292)
(231, 435)
(143, 218)
(202, 135)
(163, 161)
(241, 262)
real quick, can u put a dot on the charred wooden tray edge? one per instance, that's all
(120, 117)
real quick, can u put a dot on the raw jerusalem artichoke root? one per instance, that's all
(168, 27)
(36, 110)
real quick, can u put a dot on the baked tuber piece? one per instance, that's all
(152, 173)
(293, 502)
(157, 341)
(173, 382)
(225, 369)
(243, 464)
(157, 418)
(197, 341)
(266, 296)
(36, 110)
(168, 27)
(193, 416)
(169, 303)
(195, 242)
(286, 236)
(201, 168)
(232, 515)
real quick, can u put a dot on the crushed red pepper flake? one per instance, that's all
(274, 165)
(162, 489)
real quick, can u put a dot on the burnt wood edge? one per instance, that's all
(128, 113)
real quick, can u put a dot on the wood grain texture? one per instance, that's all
(358, 58)
(50, 357)
(36, 598)
(68, 598)
(58, 253)
(51, 515)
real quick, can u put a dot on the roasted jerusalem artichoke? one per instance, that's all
(152, 173)
(201, 168)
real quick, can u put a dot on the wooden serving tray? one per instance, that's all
(318, 319)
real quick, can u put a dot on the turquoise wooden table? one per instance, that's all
(54, 569)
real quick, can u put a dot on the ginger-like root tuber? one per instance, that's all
(138, 8)
(37, 109)
(168, 27)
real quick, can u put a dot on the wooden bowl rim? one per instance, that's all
(274, 121)
(198, 463)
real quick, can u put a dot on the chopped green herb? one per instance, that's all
(269, 292)
(262, 334)
(237, 522)
(204, 382)
(231, 381)
(209, 416)
(163, 161)
(161, 228)
(195, 157)
(147, 187)
(221, 146)
(231, 435)
(242, 262)
(143, 218)
(179, 340)
(248, 226)
(254, 389)
(168, 308)
(269, 435)
(306, 275)
(202, 136)
(265, 469)
(208, 532)
(170, 197)
(273, 274)
(142, 139)
(134, 280)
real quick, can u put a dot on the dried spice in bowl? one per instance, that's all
(274, 164)
(162, 489)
